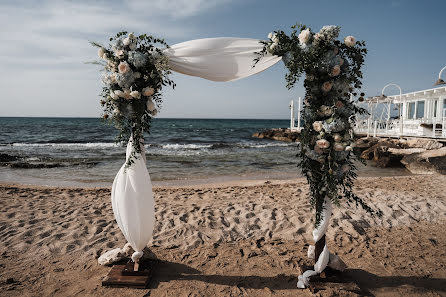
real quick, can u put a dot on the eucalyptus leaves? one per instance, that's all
(332, 71)
(135, 71)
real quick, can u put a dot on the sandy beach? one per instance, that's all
(243, 238)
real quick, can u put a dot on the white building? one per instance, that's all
(421, 113)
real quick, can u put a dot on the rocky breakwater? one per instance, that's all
(280, 134)
(418, 155)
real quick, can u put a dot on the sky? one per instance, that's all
(45, 44)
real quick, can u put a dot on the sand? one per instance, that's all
(232, 239)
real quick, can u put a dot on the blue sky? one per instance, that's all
(44, 45)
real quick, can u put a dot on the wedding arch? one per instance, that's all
(138, 67)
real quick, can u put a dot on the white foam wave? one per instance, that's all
(68, 145)
(189, 146)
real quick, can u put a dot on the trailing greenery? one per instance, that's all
(332, 70)
(135, 71)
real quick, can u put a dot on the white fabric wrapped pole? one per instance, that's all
(303, 280)
(218, 59)
(133, 204)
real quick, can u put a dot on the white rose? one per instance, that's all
(339, 147)
(337, 137)
(326, 110)
(272, 46)
(123, 67)
(317, 126)
(135, 94)
(101, 52)
(348, 148)
(318, 36)
(119, 93)
(113, 95)
(270, 35)
(326, 86)
(105, 57)
(350, 41)
(126, 41)
(336, 70)
(148, 91)
(323, 143)
(132, 46)
(275, 39)
(119, 54)
(150, 106)
(304, 36)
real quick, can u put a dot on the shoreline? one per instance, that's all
(363, 171)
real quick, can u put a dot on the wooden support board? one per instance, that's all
(332, 279)
(124, 276)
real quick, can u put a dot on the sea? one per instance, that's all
(83, 152)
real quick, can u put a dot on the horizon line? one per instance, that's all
(171, 118)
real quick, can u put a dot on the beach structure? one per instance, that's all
(293, 125)
(420, 113)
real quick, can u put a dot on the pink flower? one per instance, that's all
(339, 104)
(323, 143)
(123, 67)
(318, 150)
(326, 86)
(336, 70)
(350, 41)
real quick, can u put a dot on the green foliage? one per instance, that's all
(329, 109)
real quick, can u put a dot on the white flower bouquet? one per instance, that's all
(135, 71)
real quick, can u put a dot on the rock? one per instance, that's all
(408, 151)
(111, 257)
(127, 250)
(429, 144)
(381, 155)
(280, 134)
(428, 162)
(8, 158)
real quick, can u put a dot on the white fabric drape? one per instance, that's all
(303, 280)
(218, 59)
(133, 204)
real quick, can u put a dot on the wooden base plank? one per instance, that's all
(120, 276)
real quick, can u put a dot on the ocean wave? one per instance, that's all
(68, 145)
(188, 146)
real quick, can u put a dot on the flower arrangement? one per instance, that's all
(135, 71)
(332, 71)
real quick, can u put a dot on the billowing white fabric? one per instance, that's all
(218, 59)
(133, 204)
(322, 262)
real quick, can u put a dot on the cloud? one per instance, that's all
(51, 32)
